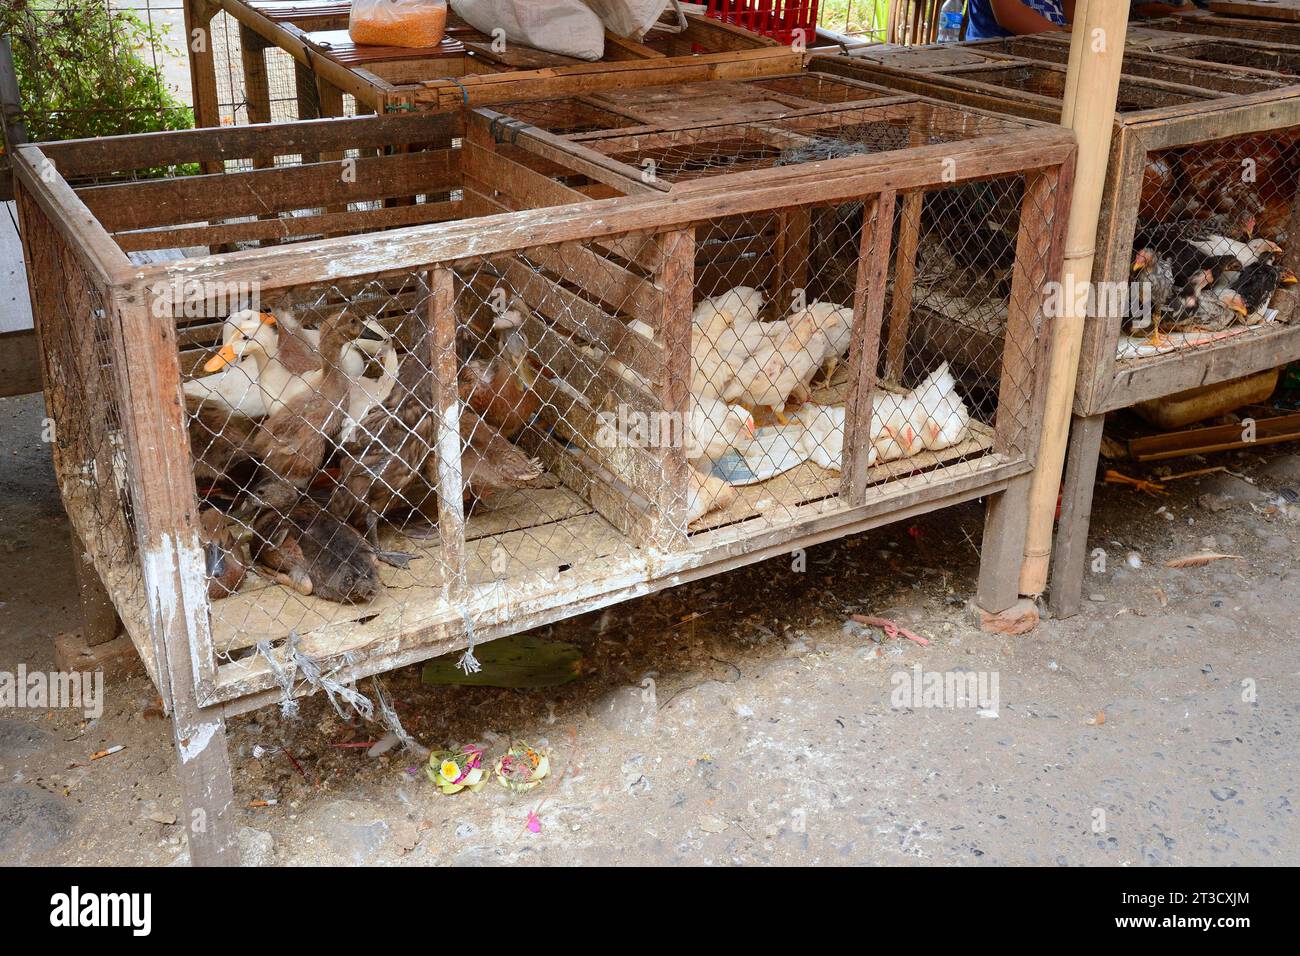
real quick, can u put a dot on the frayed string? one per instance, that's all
(468, 662)
(388, 717)
(299, 664)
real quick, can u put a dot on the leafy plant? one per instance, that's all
(80, 75)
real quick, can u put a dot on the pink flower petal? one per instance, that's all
(534, 824)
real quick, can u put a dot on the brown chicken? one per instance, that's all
(294, 442)
(500, 391)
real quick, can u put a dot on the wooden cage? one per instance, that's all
(294, 60)
(547, 242)
(1215, 161)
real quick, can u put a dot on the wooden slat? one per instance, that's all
(864, 348)
(163, 202)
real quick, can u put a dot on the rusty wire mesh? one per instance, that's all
(83, 374)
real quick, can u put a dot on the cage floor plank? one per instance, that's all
(525, 534)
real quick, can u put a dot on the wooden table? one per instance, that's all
(464, 69)
(1288, 10)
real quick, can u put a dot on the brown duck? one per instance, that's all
(223, 552)
(308, 549)
(391, 462)
(294, 442)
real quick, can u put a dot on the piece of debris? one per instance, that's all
(1161, 597)
(405, 835)
(1197, 560)
(713, 824)
(160, 816)
(1133, 559)
(99, 755)
(1097, 719)
(380, 746)
(1152, 488)
(891, 628)
(1213, 503)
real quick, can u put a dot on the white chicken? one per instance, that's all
(931, 417)
(706, 492)
(714, 428)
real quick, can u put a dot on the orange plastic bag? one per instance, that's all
(409, 23)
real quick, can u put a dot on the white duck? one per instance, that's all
(266, 360)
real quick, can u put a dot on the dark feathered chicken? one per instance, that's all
(309, 549)
(1257, 282)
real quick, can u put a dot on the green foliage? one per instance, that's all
(80, 75)
(864, 18)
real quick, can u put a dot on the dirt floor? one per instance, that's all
(740, 719)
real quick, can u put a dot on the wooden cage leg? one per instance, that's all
(99, 621)
(1071, 550)
(199, 44)
(257, 85)
(1005, 521)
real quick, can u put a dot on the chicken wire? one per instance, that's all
(82, 351)
(1213, 246)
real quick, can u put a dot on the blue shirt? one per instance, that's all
(983, 25)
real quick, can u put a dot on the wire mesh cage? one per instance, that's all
(428, 390)
(1234, 70)
(1220, 176)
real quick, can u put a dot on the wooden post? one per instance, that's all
(11, 107)
(447, 443)
(1005, 517)
(672, 385)
(864, 345)
(167, 530)
(1092, 87)
(257, 88)
(203, 68)
(99, 620)
(900, 307)
(1071, 553)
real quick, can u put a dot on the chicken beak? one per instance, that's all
(1240, 308)
(749, 427)
(1287, 277)
(221, 359)
(267, 318)
(1273, 247)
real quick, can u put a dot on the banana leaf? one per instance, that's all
(517, 661)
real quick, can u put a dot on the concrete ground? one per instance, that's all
(740, 719)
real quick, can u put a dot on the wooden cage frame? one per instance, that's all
(169, 623)
(1106, 384)
(463, 71)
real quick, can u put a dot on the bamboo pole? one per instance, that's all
(1092, 86)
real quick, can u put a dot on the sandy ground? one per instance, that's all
(739, 719)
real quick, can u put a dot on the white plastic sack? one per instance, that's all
(628, 18)
(567, 27)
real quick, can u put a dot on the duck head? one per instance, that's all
(244, 333)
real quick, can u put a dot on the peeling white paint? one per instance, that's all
(193, 741)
